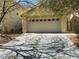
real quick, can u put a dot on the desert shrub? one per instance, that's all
(75, 26)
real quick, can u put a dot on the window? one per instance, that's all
(40, 19)
(53, 19)
(49, 19)
(44, 19)
(33, 20)
(37, 20)
(57, 19)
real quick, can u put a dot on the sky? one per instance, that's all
(32, 1)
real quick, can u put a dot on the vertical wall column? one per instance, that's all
(25, 24)
(63, 24)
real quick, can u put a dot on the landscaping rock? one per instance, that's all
(42, 46)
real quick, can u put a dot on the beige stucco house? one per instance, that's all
(40, 19)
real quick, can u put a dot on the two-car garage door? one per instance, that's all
(44, 25)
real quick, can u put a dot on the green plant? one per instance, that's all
(75, 26)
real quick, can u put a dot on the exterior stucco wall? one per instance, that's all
(24, 25)
(63, 24)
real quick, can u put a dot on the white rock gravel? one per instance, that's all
(46, 46)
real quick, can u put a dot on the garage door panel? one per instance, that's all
(52, 26)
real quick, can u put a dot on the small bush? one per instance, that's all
(75, 26)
